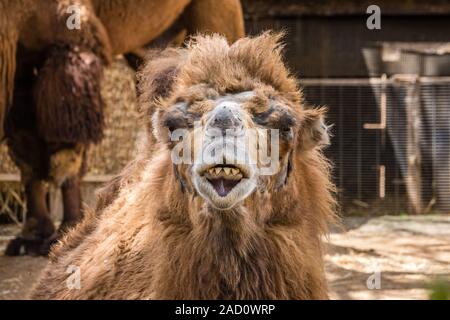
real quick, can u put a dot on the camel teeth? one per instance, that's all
(228, 171)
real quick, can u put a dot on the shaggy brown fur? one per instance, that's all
(150, 238)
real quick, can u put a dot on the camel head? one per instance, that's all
(231, 116)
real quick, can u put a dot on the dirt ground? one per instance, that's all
(379, 258)
(406, 254)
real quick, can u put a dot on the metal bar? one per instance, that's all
(339, 81)
(341, 146)
(364, 81)
(7, 177)
(359, 146)
(383, 99)
(382, 181)
(413, 178)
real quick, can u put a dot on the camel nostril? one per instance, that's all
(224, 119)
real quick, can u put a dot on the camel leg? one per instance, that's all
(71, 197)
(71, 194)
(38, 226)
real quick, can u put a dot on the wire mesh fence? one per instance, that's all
(391, 141)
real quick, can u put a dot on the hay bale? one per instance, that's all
(121, 129)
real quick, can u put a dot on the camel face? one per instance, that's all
(225, 171)
(232, 144)
(232, 116)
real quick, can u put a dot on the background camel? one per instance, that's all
(50, 73)
(196, 230)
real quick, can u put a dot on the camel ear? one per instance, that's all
(313, 133)
(156, 128)
(156, 81)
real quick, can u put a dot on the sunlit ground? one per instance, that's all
(402, 255)
(406, 253)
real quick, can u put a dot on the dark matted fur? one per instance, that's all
(69, 106)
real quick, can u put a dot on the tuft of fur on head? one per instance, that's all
(247, 64)
(69, 106)
(238, 67)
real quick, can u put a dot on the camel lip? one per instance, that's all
(221, 193)
(224, 189)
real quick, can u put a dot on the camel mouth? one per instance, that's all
(223, 178)
(224, 185)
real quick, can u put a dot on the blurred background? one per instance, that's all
(388, 94)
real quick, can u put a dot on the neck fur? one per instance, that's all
(253, 251)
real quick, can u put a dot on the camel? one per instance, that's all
(213, 228)
(52, 54)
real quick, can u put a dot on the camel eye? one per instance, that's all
(275, 118)
(175, 122)
(287, 133)
(178, 119)
(180, 116)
